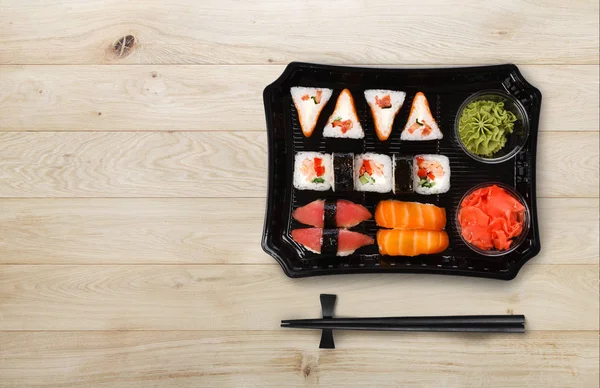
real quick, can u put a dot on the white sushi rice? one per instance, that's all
(384, 118)
(300, 180)
(345, 109)
(308, 111)
(422, 113)
(382, 184)
(442, 183)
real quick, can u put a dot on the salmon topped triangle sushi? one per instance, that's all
(344, 122)
(420, 125)
(385, 105)
(309, 103)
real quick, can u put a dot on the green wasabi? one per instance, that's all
(483, 127)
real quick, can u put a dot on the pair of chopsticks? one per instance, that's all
(466, 323)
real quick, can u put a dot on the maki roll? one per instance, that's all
(313, 171)
(403, 175)
(338, 242)
(373, 172)
(343, 172)
(431, 174)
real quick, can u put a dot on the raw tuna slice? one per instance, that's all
(340, 242)
(324, 213)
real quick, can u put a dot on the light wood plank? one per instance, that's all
(133, 164)
(215, 98)
(220, 32)
(257, 297)
(189, 164)
(291, 359)
(132, 231)
(171, 231)
(568, 165)
(107, 98)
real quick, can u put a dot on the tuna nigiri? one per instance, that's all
(411, 242)
(340, 242)
(409, 215)
(331, 213)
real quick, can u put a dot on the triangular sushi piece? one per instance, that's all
(385, 105)
(309, 103)
(421, 125)
(344, 121)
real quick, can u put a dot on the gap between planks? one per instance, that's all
(273, 264)
(394, 65)
(282, 330)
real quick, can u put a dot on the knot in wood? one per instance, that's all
(124, 46)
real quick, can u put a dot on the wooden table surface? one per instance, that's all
(133, 175)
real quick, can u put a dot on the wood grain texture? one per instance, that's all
(129, 251)
(132, 231)
(291, 359)
(215, 98)
(214, 164)
(212, 231)
(257, 297)
(133, 164)
(116, 98)
(222, 32)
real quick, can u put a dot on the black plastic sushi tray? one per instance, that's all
(446, 89)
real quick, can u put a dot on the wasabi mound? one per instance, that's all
(484, 125)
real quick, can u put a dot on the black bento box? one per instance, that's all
(446, 89)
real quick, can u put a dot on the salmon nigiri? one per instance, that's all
(411, 242)
(340, 242)
(409, 215)
(334, 213)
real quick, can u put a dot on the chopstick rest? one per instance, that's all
(465, 323)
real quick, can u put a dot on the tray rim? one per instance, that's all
(513, 270)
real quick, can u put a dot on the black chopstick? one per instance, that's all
(415, 321)
(514, 328)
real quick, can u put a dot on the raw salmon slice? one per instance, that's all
(409, 215)
(396, 242)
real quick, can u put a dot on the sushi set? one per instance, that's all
(401, 170)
